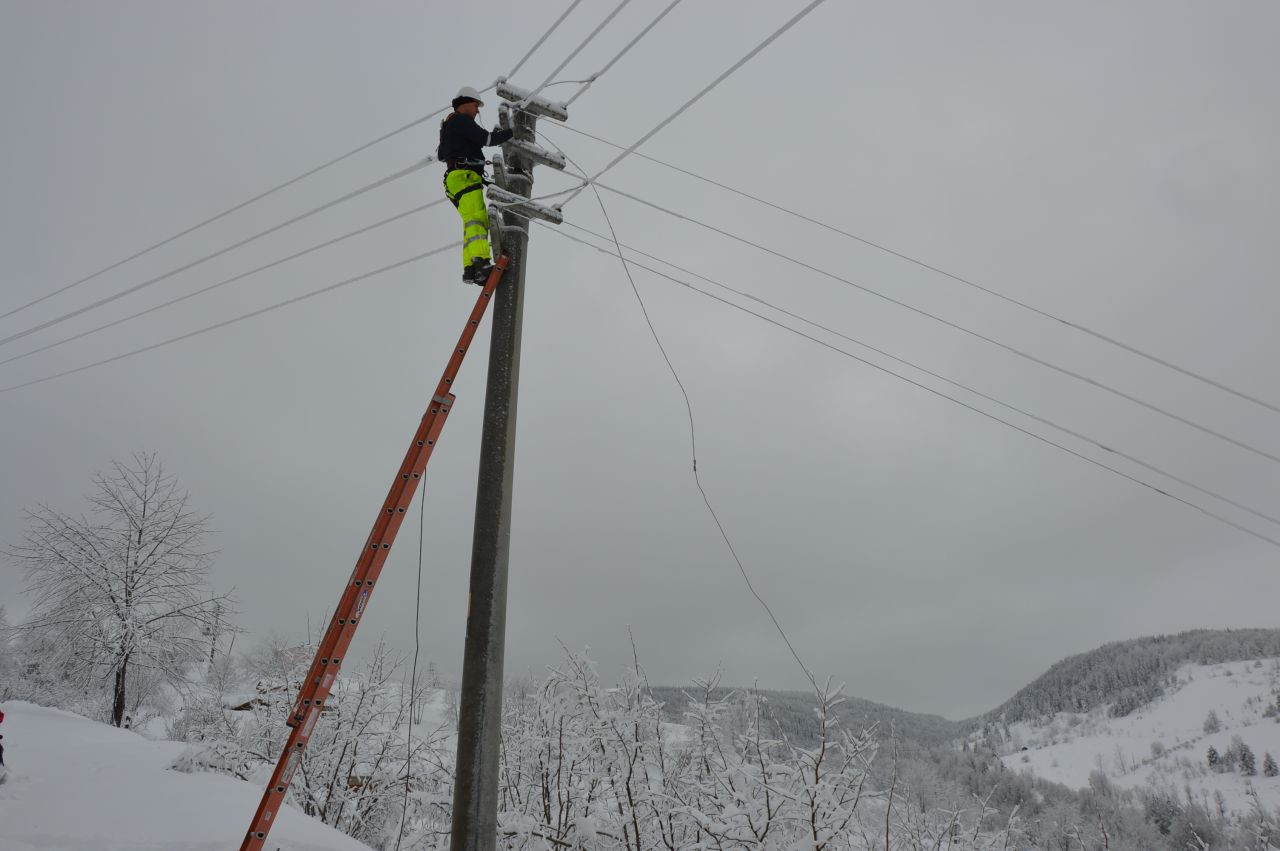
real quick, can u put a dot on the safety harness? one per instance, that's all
(475, 187)
(454, 164)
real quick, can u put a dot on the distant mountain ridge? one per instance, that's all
(1129, 674)
(1125, 674)
(792, 714)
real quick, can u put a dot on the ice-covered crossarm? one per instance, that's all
(523, 206)
(536, 153)
(537, 105)
(499, 169)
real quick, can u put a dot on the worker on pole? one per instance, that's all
(462, 143)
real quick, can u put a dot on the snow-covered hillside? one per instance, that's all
(77, 785)
(1165, 742)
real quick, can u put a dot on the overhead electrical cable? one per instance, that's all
(693, 450)
(713, 84)
(108, 299)
(958, 278)
(554, 26)
(226, 281)
(1029, 415)
(977, 335)
(987, 414)
(234, 320)
(278, 187)
(231, 210)
(590, 37)
(587, 83)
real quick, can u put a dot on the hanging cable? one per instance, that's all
(1012, 349)
(693, 443)
(225, 281)
(108, 299)
(959, 279)
(925, 387)
(236, 319)
(717, 81)
(1042, 420)
(590, 81)
(413, 676)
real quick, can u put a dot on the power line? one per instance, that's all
(236, 319)
(226, 281)
(590, 37)
(287, 183)
(716, 82)
(108, 299)
(1012, 349)
(554, 26)
(597, 75)
(1029, 433)
(958, 278)
(229, 211)
(1029, 415)
(693, 449)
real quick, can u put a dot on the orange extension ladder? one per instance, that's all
(355, 597)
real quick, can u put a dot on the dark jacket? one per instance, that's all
(462, 142)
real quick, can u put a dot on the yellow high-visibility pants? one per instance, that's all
(459, 185)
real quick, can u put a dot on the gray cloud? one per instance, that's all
(1112, 165)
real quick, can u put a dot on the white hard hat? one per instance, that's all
(467, 93)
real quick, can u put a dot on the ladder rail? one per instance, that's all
(332, 649)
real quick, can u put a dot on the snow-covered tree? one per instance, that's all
(1269, 767)
(120, 598)
(1248, 766)
(1213, 758)
(1211, 723)
(8, 658)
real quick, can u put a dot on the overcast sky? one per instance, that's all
(1112, 164)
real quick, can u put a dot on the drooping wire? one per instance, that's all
(225, 281)
(940, 271)
(413, 676)
(693, 441)
(597, 75)
(956, 326)
(128, 290)
(713, 84)
(925, 387)
(1029, 415)
(236, 319)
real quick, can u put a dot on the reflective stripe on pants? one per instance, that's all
(475, 216)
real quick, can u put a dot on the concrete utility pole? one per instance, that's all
(475, 791)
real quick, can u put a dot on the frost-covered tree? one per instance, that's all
(119, 598)
(1269, 767)
(8, 658)
(1248, 765)
(1211, 723)
(1213, 758)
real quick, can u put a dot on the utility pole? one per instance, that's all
(475, 790)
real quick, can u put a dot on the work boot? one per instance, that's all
(480, 269)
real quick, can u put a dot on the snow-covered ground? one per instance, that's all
(1073, 745)
(77, 785)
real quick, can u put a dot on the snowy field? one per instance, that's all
(78, 785)
(1164, 743)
